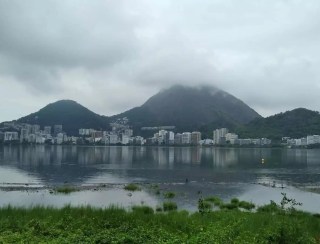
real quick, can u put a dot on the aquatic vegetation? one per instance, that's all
(132, 187)
(65, 189)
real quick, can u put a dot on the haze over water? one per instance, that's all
(189, 171)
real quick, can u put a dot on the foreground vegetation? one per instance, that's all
(269, 224)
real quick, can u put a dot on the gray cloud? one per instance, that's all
(112, 55)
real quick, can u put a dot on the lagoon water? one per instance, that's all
(27, 173)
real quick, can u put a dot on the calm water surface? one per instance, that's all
(189, 171)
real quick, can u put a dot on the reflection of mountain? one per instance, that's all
(57, 164)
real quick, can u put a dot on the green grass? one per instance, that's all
(65, 189)
(142, 225)
(132, 187)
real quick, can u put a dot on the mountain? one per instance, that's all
(295, 124)
(68, 113)
(188, 108)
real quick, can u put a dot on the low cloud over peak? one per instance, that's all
(113, 55)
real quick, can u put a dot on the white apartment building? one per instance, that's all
(313, 139)
(195, 137)
(125, 139)
(231, 137)
(219, 135)
(11, 136)
(113, 139)
(186, 138)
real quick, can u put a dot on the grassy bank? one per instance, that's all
(142, 225)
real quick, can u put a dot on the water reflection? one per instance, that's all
(226, 172)
(81, 163)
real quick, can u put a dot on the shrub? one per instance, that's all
(169, 206)
(229, 206)
(272, 207)
(159, 209)
(169, 194)
(246, 205)
(215, 200)
(204, 206)
(235, 201)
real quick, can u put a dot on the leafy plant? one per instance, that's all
(169, 194)
(204, 206)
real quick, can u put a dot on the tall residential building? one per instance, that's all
(57, 129)
(24, 135)
(169, 138)
(219, 135)
(113, 139)
(178, 139)
(47, 130)
(128, 132)
(11, 136)
(1, 136)
(186, 138)
(195, 137)
(232, 138)
(35, 129)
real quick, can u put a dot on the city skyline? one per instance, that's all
(111, 56)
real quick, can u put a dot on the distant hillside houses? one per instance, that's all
(23, 133)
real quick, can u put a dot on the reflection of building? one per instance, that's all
(224, 157)
(186, 155)
(196, 155)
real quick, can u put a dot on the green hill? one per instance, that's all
(295, 124)
(187, 108)
(71, 115)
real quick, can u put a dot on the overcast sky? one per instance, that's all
(113, 55)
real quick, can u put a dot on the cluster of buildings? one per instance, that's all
(13, 132)
(222, 136)
(27, 133)
(122, 134)
(301, 142)
(164, 137)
